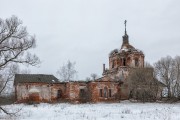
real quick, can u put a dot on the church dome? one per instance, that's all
(127, 46)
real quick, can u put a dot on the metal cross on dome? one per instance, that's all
(125, 22)
(125, 26)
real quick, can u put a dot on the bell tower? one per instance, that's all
(123, 59)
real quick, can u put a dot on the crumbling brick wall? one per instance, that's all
(44, 92)
(104, 91)
(74, 90)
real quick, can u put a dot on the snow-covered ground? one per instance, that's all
(99, 111)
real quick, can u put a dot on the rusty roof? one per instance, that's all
(35, 78)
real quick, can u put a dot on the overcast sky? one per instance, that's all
(85, 31)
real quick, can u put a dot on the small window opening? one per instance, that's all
(113, 63)
(109, 92)
(124, 62)
(105, 92)
(59, 93)
(136, 62)
(100, 93)
(82, 93)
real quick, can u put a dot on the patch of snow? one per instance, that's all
(100, 111)
(124, 49)
(34, 90)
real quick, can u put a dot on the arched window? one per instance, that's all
(136, 62)
(113, 63)
(59, 94)
(110, 93)
(124, 62)
(82, 93)
(105, 92)
(101, 93)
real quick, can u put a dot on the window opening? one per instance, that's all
(82, 93)
(136, 62)
(105, 92)
(124, 62)
(59, 92)
(113, 62)
(100, 93)
(109, 92)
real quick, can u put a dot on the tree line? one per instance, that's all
(152, 83)
(167, 70)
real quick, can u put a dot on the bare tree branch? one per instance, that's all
(8, 113)
(14, 43)
(94, 76)
(67, 71)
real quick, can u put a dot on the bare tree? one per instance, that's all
(88, 78)
(14, 45)
(176, 88)
(142, 84)
(164, 70)
(67, 72)
(94, 76)
(7, 78)
(6, 89)
(148, 65)
(8, 75)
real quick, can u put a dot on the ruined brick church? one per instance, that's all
(112, 86)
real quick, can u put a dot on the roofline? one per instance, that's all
(45, 82)
(42, 82)
(33, 74)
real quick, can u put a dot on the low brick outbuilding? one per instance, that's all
(38, 88)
